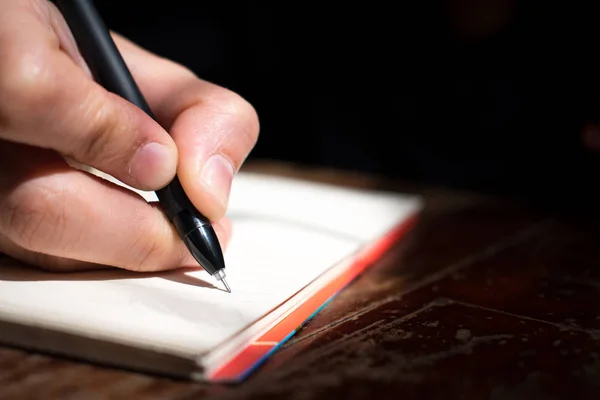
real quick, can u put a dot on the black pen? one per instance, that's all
(109, 69)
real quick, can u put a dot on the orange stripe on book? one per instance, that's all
(242, 362)
(237, 367)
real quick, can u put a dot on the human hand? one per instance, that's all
(58, 217)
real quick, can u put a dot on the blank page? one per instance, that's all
(285, 234)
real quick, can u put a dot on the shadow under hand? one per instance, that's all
(14, 270)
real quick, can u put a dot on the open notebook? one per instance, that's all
(295, 244)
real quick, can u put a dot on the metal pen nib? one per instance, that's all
(220, 276)
(226, 285)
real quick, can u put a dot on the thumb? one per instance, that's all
(50, 101)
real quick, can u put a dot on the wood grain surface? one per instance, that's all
(485, 299)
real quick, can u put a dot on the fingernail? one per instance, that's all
(153, 166)
(216, 176)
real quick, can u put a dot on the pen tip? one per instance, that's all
(226, 285)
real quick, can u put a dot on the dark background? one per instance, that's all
(399, 89)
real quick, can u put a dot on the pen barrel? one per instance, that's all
(110, 70)
(100, 51)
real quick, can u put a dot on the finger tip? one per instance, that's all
(210, 205)
(154, 165)
(223, 229)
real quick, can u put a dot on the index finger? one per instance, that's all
(214, 128)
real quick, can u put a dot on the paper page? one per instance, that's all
(286, 233)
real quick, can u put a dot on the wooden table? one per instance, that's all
(486, 299)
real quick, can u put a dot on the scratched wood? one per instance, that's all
(484, 300)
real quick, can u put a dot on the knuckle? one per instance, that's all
(245, 117)
(33, 216)
(25, 82)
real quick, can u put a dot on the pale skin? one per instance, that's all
(61, 218)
